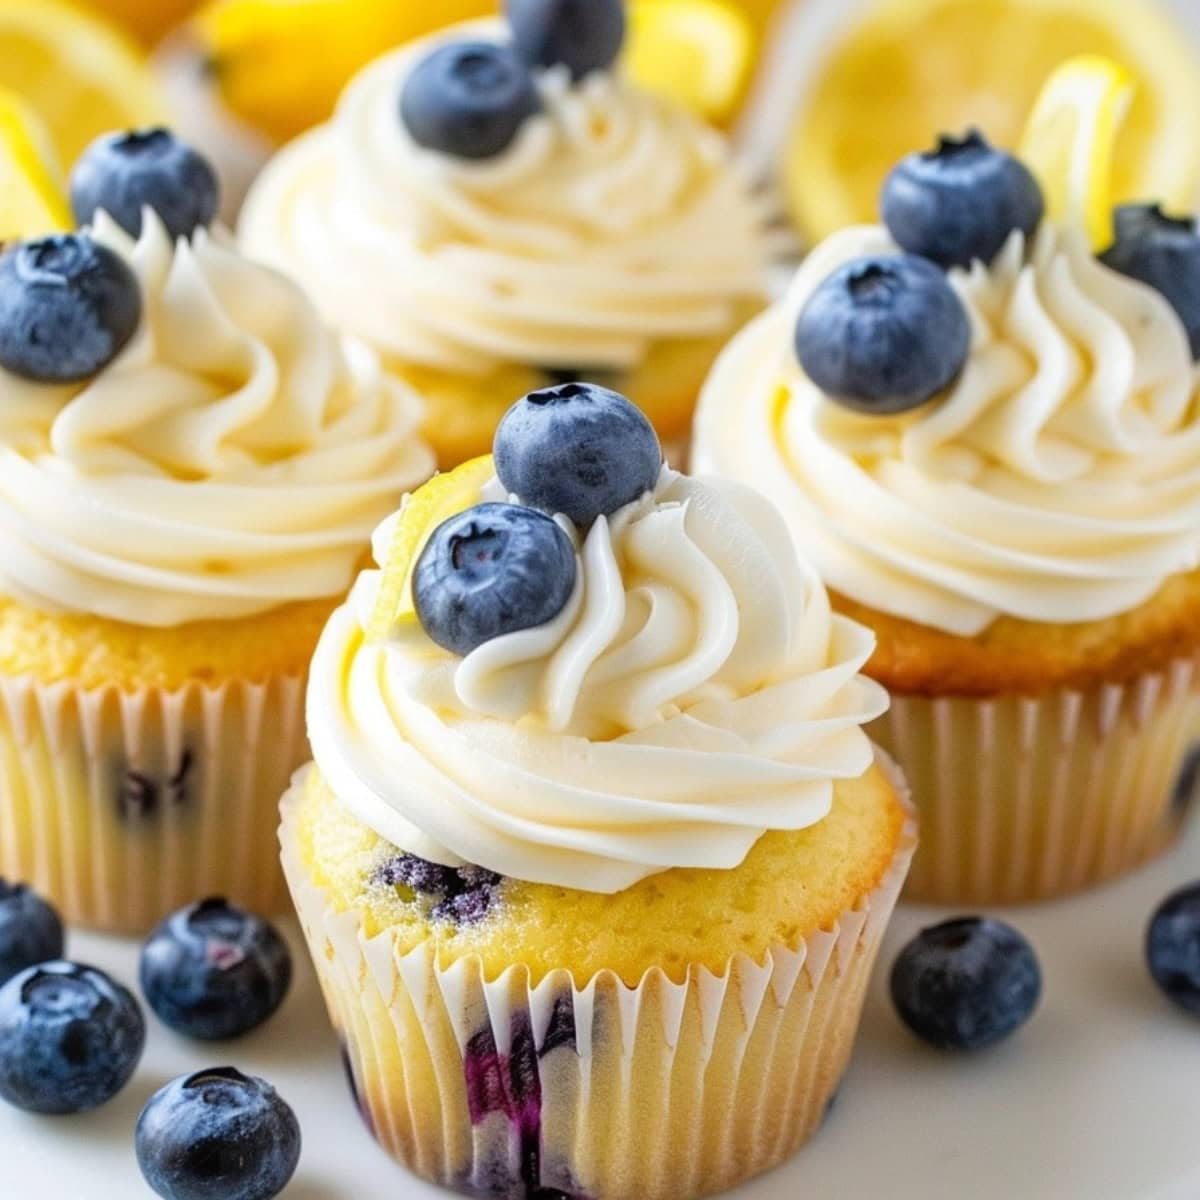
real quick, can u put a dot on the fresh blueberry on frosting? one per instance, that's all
(884, 334)
(124, 173)
(68, 307)
(961, 202)
(492, 570)
(582, 35)
(1164, 253)
(468, 99)
(1173, 948)
(577, 449)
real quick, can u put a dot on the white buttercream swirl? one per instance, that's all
(1057, 480)
(614, 220)
(696, 692)
(233, 458)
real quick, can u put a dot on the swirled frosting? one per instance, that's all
(696, 692)
(614, 220)
(1057, 481)
(233, 458)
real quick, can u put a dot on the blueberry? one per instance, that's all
(123, 173)
(418, 875)
(70, 1038)
(468, 99)
(1163, 252)
(212, 971)
(68, 306)
(966, 984)
(217, 1135)
(30, 930)
(577, 449)
(1173, 948)
(961, 202)
(883, 335)
(489, 571)
(583, 35)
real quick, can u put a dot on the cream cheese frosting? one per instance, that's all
(233, 458)
(1058, 480)
(696, 691)
(614, 220)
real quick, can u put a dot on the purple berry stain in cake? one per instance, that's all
(141, 796)
(461, 896)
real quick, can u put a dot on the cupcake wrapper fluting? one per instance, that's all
(122, 806)
(1028, 798)
(603, 1091)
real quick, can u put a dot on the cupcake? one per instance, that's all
(595, 857)
(498, 208)
(986, 438)
(190, 469)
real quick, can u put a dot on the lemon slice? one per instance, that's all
(79, 74)
(421, 513)
(1070, 141)
(698, 52)
(32, 200)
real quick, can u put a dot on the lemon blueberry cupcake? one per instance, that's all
(986, 437)
(595, 856)
(190, 469)
(497, 208)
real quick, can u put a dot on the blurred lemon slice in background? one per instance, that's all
(149, 19)
(32, 199)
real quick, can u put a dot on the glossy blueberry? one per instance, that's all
(961, 202)
(1163, 252)
(213, 971)
(124, 173)
(68, 306)
(30, 930)
(70, 1038)
(217, 1135)
(577, 449)
(1173, 948)
(582, 35)
(883, 335)
(966, 984)
(468, 99)
(489, 571)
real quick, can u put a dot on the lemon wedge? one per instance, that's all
(422, 512)
(32, 199)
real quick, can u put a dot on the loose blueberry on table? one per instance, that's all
(213, 971)
(582, 35)
(70, 1038)
(218, 1135)
(31, 932)
(966, 984)
(124, 173)
(1173, 948)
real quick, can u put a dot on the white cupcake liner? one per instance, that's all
(121, 806)
(1028, 798)
(603, 1090)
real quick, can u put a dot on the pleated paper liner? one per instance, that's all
(122, 806)
(606, 1091)
(1025, 799)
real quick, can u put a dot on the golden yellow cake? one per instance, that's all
(611, 239)
(176, 528)
(593, 888)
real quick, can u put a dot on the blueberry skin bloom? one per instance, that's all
(31, 932)
(961, 202)
(577, 449)
(217, 1135)
(122, 173)
(1163, 252)
(68, 306)
(966, 984)
(212, 971)
(70, 1038)
(489, 571)
(883, 335)
(468, 99)
(583, 35)
(1173, 948)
